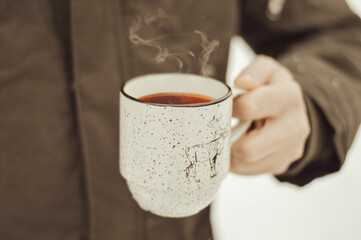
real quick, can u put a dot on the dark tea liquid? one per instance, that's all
(176, 98)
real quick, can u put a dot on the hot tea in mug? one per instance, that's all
(176, 98)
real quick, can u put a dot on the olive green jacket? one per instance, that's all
(61, 67)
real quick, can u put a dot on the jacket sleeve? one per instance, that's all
(320, 43)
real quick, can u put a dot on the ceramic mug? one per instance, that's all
(174, 157)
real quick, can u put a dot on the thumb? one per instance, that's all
(258, 73)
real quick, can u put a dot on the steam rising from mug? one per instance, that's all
(155, 19)
(208, 48)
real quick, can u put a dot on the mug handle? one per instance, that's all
(242, 126)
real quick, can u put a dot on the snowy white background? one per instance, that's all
(261, 208)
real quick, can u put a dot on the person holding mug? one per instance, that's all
(63, 63)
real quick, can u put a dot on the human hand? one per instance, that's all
(275, 100)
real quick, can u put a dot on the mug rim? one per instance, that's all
(219, 100)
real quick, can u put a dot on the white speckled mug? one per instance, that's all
(175, 157)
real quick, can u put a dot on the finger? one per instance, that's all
(281, 75)
(259, 143)
(257, 73)
(275, 163)
(270, 100)
(262, 167)
(263, 102)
